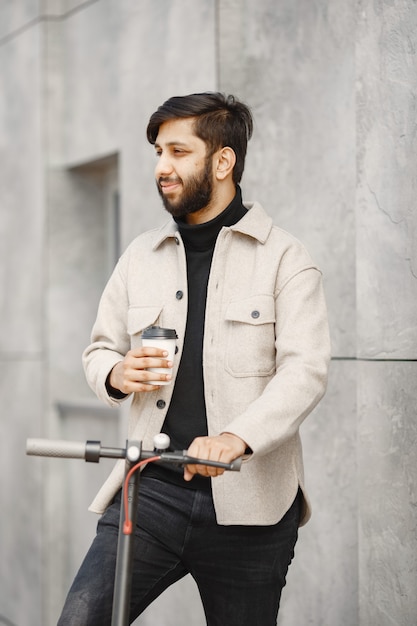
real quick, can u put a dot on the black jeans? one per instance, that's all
(239, 570)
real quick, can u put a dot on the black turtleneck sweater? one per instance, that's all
(186, 417)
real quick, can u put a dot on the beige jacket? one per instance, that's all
(266, 351)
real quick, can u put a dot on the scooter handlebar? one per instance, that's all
(92, 451)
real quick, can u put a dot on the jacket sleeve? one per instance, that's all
(302, 348)
(109, 338)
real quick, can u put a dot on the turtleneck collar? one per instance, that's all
(203, 236)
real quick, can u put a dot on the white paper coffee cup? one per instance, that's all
(165, 339)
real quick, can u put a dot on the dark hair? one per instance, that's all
(220, 121)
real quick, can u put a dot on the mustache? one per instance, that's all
(168, 179)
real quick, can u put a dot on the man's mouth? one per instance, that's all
(167, 184)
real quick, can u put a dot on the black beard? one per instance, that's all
(196, 193)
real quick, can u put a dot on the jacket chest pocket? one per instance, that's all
(250, 345)
(139, 318)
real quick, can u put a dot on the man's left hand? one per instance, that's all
(225, 448)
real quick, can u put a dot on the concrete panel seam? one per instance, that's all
(45, 18)
(370, 359)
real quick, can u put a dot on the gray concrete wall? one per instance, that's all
(387, 311)
(333, 158)
(22, 210)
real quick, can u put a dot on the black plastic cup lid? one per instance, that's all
(156, 332)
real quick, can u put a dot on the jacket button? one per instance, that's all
(255, 314)
(177, 241)
(161, 404)
(179, 295)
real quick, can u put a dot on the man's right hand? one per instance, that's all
(131, 375)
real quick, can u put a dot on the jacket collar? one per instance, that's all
(256, 223)
(168, 231)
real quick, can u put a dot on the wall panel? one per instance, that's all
(387, 459)
(325, 567)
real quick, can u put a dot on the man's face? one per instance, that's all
(184, 172)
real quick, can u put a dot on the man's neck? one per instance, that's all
(222, 197)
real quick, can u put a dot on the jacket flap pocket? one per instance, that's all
(254, 310)
(140, 317)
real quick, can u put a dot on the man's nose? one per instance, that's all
(163, 166)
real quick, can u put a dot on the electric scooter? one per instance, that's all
(135, 458)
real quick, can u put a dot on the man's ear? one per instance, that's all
(225, 162)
